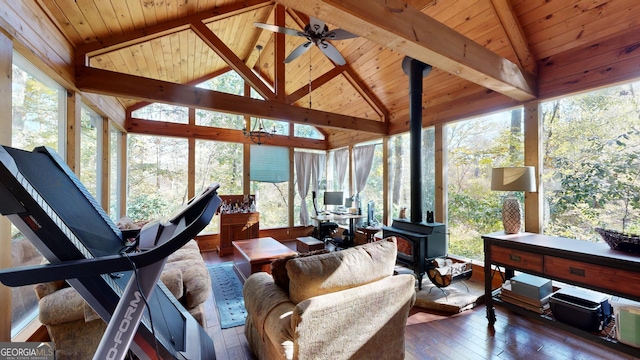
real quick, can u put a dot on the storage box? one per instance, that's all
(627, 315)
(582, 308)
(531, 286)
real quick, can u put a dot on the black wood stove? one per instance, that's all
(418, 242)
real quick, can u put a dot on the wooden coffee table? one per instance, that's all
(254, 255)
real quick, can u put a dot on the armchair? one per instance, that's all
(340, 305)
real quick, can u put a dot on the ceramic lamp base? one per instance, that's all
(511, 215)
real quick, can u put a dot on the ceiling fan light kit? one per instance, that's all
(316, 32)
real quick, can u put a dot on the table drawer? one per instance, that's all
(516, 259)
(593, 275)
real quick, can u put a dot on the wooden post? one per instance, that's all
(533, 205)
(385, 181)
(441, 174)
(6, 61)
(246, 153)
(74, 115)
(291, 188)
(191, 166)
(105, 167)
(122, 173)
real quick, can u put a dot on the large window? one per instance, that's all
(157, 176)
(219, 162)
(373, 189)
(269, 172)
(591, 163)
(39, 110)
(474, 147)
(400, 173)
(163, 112)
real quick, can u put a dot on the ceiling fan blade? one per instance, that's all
(298, 51)
(331, 52)
(280, 29)
(317, 26)
(339, 34)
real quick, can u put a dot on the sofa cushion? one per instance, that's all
(322, 274)
(279, 269)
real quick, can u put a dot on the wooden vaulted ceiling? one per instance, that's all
(483, 51)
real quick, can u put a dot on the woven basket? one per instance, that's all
(620, 241)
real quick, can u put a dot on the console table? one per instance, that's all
(581, 263)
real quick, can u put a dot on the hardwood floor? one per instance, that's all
(435, 336)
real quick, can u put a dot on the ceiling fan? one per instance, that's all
(316, 32)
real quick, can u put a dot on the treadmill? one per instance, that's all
(44, 199)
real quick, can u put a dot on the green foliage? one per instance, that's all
(147, 207)
(591, 162)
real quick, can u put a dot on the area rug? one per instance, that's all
(452, 299)
(227, 291)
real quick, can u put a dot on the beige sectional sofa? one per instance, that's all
(339, 305)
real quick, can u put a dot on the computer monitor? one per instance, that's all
(371, 220)
(333, 198)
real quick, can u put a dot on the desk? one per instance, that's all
(576, 262)
(336, 217)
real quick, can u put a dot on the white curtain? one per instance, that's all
(341, 165)
(309, 166)
(362, 160)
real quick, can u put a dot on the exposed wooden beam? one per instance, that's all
(515, 34)
(151, 127)
(395, 25)
(152, 32)
(136, 87)
(316, 83)
(195, 82)
(232, 59)
(366, 94)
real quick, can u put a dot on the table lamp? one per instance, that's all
(512, 179)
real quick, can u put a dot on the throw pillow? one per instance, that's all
(279, 270)
(340, 270)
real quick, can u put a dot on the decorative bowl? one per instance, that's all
(620, 241)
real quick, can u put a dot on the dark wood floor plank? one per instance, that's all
(431, 335)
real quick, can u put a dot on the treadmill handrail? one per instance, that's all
(82, 268)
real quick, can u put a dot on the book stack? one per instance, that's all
(539, 306)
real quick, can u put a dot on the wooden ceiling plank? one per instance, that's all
(61, 21)
(155, 59)
(183, 57)
(316, 83)
(366, 94)
(587, 26)
(154, 31)
(161, 9)
(149, 14)
(129, 86)
(167, 56)
(410, 32)
(232, 59)
(123, 15)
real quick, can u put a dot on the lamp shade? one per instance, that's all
(513, 179)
